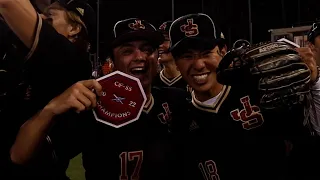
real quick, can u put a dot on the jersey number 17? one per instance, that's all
(130, 157)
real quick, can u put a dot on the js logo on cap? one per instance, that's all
(163, 26)
(190, 29)
(137, 25)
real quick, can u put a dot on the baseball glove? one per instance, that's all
(275, 68)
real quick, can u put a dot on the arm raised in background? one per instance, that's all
(22, 19)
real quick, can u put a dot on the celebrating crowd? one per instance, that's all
(192, 126)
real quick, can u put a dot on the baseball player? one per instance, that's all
(138, 150)
(57, 56)
(230, 136)
(142, 149)
(169, 76)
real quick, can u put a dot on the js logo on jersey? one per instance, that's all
(165, 117)
(250, 116)
(189, 29)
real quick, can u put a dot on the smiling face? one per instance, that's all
(138, 59)
(198, 68)
(164, 54)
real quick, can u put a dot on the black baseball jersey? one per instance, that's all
(162, 81)
(12, 53)
(234, 139)
(140, 150)
(49, 67)
(12, 57)
(7, 67)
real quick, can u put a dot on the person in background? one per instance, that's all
(169, 76)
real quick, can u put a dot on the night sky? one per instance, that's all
(230, 15)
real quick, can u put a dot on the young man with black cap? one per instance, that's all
(57, 43)
(169, 76)
(230, 137)
(141, 149)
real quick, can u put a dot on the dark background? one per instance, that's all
(232, 16)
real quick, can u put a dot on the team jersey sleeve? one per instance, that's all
(178, 99)
(53, 63)
(52, 52)
(179, 128)
(69, 134)
(49, 43)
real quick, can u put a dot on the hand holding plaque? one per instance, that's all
(122, 100)
(78, 97)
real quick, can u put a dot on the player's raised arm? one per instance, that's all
(21, 18)
(78, 97)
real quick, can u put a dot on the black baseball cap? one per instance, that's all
(314, 32)
(164, 27)
(192, 29)
(86, 14)
(135, 29)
